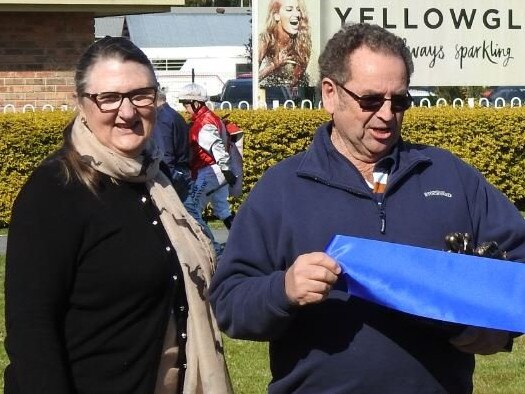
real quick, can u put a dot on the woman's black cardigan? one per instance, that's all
(90, 281)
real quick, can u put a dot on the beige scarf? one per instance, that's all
(206, 369)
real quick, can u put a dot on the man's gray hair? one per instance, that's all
(334, 59)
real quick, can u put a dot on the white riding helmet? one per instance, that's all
(193, 92)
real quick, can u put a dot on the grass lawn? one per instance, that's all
(3, 357)
(502, 373)
(216, 224)
(248, 365)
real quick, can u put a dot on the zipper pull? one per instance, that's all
(382, 215)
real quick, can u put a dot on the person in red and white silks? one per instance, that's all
(210, 160)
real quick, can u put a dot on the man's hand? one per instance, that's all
(310, 278)
(230, 177)
(476, 340)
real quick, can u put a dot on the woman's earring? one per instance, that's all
(83, 120)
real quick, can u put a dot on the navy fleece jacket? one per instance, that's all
(344, 344)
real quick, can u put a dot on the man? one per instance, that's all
(358, 178)
(209, 161)
(171, 135)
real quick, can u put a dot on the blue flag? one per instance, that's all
(452, 287)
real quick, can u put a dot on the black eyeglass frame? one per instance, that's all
(129, 95)
(399, 103)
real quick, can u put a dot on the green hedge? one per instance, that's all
(25, 140)
(492, 140)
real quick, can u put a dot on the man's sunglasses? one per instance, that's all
(374, 102)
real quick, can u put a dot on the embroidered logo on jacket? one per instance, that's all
(438, 193)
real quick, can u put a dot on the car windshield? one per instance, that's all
(275, 93)
(238, 92)
(507, 94)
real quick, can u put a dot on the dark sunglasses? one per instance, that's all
(374, 102)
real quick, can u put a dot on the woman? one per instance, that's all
(285, 46)
(103, 262)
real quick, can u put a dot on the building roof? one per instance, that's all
(110, 26)
(212, 10)
(189, 29)
(99, 8)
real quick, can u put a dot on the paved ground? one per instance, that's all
(221, 235)
(3, 243)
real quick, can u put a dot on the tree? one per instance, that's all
(249, 49)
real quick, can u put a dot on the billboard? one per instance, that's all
(453, 43)
(286, 44)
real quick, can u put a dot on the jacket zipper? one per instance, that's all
(382, 217)
(380, 204)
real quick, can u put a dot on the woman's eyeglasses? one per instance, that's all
(374, 102)
(111, 101)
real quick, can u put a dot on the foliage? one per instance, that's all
(492, 140)
(25, 140)
(451, 92)
(271, 136)
(248, 48)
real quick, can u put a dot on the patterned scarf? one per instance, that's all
(206, 368)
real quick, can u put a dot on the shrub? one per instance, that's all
(492, 140)
(25, 140)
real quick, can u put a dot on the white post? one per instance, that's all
(256, 103)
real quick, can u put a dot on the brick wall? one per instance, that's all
(38, 54)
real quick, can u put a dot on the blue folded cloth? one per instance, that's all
(452, 287)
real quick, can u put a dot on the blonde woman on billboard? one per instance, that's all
(285, 45)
